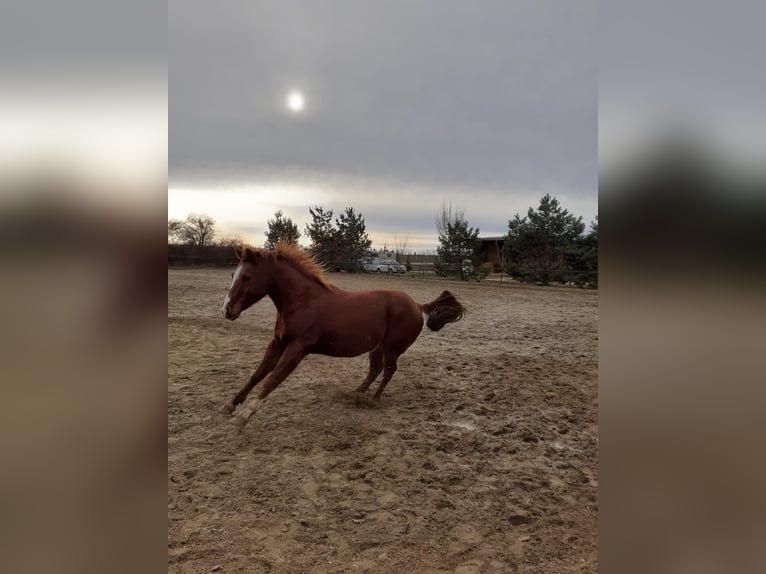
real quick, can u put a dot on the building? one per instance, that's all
(492, 250)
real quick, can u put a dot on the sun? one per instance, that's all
(295, 102)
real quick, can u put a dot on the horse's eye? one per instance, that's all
(245, 278)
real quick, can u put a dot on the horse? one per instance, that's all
(315, 317)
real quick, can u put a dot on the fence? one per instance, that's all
(217, 256)
(209, 256)
(420, 265)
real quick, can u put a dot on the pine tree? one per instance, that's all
(457, 241)
(352, 239)
(341, 247)
(536, 246)
(323, 235)
(281, 230)
(582, 258)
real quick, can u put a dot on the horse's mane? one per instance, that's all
(299, 258)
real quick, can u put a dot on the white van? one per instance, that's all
(383, 266)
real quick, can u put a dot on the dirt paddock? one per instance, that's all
(482, 456)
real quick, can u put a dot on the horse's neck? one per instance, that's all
(291, 287)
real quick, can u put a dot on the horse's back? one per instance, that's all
(397, 304)
(355, 322)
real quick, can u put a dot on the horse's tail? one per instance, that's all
(442, 310)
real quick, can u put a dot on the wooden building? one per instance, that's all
(492, 250)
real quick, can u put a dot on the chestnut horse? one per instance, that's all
(316, 317)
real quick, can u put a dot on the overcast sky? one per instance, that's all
(700, 73)
(407, 104)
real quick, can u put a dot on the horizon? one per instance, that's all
(424, 242)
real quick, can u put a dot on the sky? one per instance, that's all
(700, 75)
(408, 104)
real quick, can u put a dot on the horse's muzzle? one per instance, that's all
(228, 314)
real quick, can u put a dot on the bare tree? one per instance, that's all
(401, 245)
(174, 229)
(197, 229)
(229, 241)
(447, 216)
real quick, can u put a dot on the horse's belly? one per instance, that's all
(347, 344)
(351, 334)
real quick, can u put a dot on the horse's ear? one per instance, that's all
(238, 252)
(250, 255)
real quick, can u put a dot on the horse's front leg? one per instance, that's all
(290, 359)
(269, 361)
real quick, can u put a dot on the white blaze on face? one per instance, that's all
(228, 295)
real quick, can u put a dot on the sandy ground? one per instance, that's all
(482, 456)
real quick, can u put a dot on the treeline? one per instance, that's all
(338, 244)
(550, 245)
(547, 245)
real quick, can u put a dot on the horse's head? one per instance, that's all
(249, 284)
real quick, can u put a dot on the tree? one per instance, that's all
(537, 245)
(323, 236)
(353, 241)
(174, 229)
(198, 229)
(401, 251)
(457, 241)
(229, 241)
(401, 246)
(341, 247)
(582, 258)
(281, 230)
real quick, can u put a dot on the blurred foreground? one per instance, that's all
(682, 363)
(83, 160)
(83, 368)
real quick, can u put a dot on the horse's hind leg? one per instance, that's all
(388, 372)
(269, 361)
(376, 365)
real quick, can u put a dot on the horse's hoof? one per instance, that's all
(239, 422)
(227, 408)
(362, 400)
